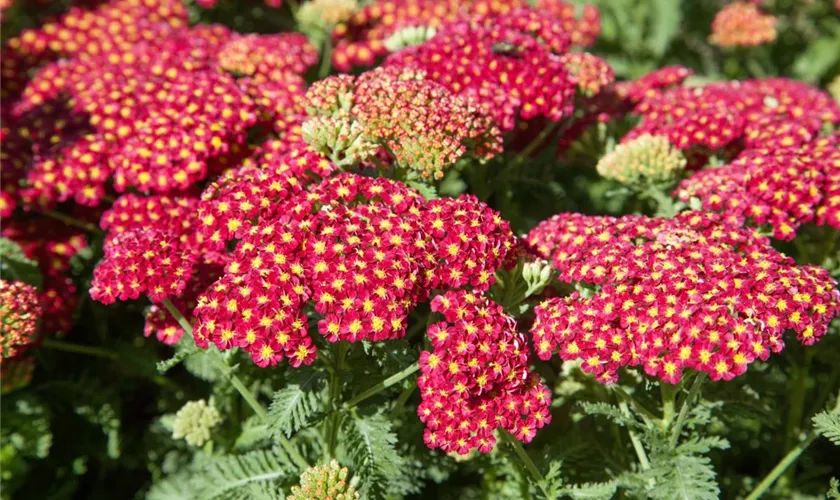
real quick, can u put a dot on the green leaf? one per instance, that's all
(828, 425)
(609, 411)
(226, 477)
(666, 17)
(592, 491)
(297, 405)
(254, 432)
(427, 190)
(685, 473)
(15, 266)
(817, 59)
(369, 442)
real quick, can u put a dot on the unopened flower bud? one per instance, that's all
(644, 161)
(409, 36)
(324, 482)
(194, 421)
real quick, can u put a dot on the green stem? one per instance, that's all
(669, 398)
(72, 221)
(534, 144)
(637, 443)
(326, 58)
(689, 400)
(240, 387)
(402, 399)
(381, 386)
(60, 345)
(636, 405)
(529, 465)
(787, 461)
(781, 467)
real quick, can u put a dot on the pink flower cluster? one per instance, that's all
(139, 99)
(510, 64)
(361, 251)
(361, 40)
(476, 378)
(674, 294)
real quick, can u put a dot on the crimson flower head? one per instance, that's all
(510, 64)
(674, 294)
(359, 251)
(476, 377)
(783, 188)
(20, 311)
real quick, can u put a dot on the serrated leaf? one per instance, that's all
(202, 366)
(15, 266)
(828, 425)
(370, 445)
(427, 190)
(296, 405)
(609, 411)
(254, 432)
(592, 491)
(666, 16)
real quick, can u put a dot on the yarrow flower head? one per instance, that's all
(426, 127)
(476, 378)
(361, 39)
(20, 312)
(194, 422)
(361, 251)
(589, 72)
(674, 294)
(324, 482)
(647, 160)
(509, 64)
(742, 24)
(784, 187)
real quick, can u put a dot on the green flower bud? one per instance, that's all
(339, 137)
(324, 482)
(647, 160)
(194, 421)
(409, 36)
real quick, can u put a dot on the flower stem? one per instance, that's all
(326, 58)
(535, 143)
(634, 438)
(636, 405)
(240, 387)
(334, 421)
(72, 221)
(60, 345)
(669, 398)
(689, 400)
(529, 465)
(781, 467)
(381, 386)
(787, 461)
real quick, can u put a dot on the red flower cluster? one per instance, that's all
(742, 24)
(783, 187)
(510, 64)
(420, 122)
(149, 103)
(773, 112)
(362, 39)
(590, 73)
(476, 379)
(362, 251)
(52, 245)
(672, 294)
(161, 323)
(20, 311)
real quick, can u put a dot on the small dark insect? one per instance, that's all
(507, 49)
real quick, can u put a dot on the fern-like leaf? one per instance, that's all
(828, 425)
(228, 476)
(297, 405)
(686, 473)
(591, 491)
(610, 412)
(370, 448)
